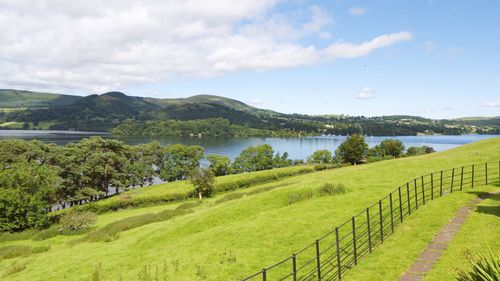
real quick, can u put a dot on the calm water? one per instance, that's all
(297, 147)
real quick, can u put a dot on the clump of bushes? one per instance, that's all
(483, 267)
(327, 189)
(330, 189)
(76, 221)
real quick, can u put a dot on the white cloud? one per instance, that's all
(366, 93)
(102, 45)
(357, 11)
(492, 104)
(349, 50)
(429, 46)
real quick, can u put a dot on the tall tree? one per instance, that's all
(179, 160)
(255, 158)
(353, 150)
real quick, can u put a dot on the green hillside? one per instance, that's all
(27, 99)
(238, 233)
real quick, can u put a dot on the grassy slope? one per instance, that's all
(479, 233)
(257, 230)
(17, 98)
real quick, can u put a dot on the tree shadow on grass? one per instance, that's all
(489, 210)
(484, 195)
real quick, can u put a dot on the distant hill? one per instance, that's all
(26, 99)
(35, 110)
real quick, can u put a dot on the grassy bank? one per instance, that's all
(239, 232)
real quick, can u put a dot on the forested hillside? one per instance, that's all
(206, 115)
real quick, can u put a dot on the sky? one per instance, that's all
(432, 58)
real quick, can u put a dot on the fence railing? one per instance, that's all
(330, 256)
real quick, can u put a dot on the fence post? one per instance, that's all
(441, 185)
(416, 193)
(294, 267)
(472, 182)
(355, 254)
(369, 229)
(392, 215)
(408, 197)
(461, 178)
(423, 190)
(432, 186)
(264, 274)
(339, 268)
(452, 179)
(486, 173)
(318, 262)
(381, 221)
(400, 205)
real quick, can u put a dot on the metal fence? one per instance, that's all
(330, 256)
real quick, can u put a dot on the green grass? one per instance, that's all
(239, 235)
(480, 233)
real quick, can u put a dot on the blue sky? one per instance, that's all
(436, 59)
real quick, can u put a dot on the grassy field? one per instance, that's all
(237, 233)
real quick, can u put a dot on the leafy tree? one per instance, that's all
(179, 160)
(320, 157)
(26, 191)
(203, 180)
(353, 150)
(254, 158)
(416, 150)
(282, 160)
(392, 147)
(220, 165)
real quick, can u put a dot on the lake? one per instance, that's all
(297, 147)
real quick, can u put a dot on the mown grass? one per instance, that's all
(261, 228)
(480, 233)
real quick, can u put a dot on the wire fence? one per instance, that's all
(330, 256)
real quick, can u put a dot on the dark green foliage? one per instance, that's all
(388, 148)
(320, 157)
(203, 181)
(25, 192)
(220, 165)
(483, 268)
(320, 167)
(179, 160)
(353, 150)
(254, 158)
(415, 150)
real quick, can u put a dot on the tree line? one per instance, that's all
(34, 176)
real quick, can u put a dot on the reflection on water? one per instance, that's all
(297, 147)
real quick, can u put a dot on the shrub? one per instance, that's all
(203, 180)
(330, 189)
(320, 167)
(76, 221)
(482, 268)
(300, 196)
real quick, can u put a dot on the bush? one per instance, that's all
(353, 150)
(75, 221)
(320, 167)
(300, 196)
(482, 268)
(330, 189)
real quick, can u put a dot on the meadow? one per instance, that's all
(237, 232)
